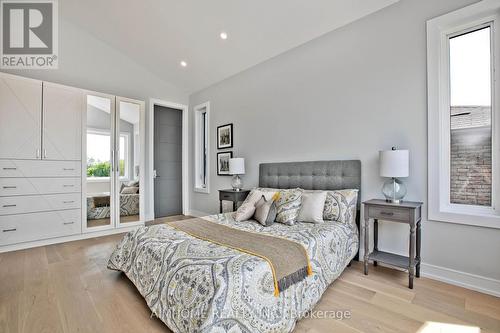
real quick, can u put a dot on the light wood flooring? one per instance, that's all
(67, 288)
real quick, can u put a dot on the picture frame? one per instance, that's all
(225, 136)
(223, 163)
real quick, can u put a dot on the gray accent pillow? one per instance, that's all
(130, 190)
(265, 211)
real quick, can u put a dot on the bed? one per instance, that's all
(98, 205)
(194, 285)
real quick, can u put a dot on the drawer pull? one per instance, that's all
(67, 223)
(10, 187)
(9, 205)
(68, 169)
(10, 168)
(66, 185)
(387, 213)
(9, 230)
(70, 201)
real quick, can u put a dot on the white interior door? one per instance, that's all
(129, 154)
(99, 151)
(62, 122)
(20, 117)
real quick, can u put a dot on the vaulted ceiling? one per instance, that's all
(159, 34)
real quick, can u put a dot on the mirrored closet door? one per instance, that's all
(113, 150)
(129, 187)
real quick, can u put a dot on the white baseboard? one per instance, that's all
(197, 213)
(462, 279)
(57, 240)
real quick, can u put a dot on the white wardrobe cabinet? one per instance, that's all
(20, 117)
(62, 122)
(40, 160)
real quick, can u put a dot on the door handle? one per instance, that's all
(71, 201)
(38, 153)
(10, 187)
(9, 230)
(44, 153)
(68, 169)
(67, 223)
(66, 185)
(10, 168)
(9, 205)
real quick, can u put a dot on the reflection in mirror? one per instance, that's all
(99, 146)
(129, 161)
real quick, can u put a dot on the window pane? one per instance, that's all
(98, 155)
(470, 117)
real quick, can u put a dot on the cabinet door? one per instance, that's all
(20, 117)
(62, 122)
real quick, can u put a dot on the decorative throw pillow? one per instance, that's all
(245, 212)
(288, 206)
(130, 190)
(265, 211)
(341, 205)
(133, 183)
(257, 193)
(313, 204)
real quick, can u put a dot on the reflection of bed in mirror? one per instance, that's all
(99, 207)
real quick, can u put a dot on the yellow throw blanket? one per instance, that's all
(287, 259)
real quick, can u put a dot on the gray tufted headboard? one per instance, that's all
(315, 175)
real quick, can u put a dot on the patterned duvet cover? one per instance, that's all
(197, 286)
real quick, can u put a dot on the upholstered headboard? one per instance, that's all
(315, 175)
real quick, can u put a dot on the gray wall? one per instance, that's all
(86, 62)
(347, 95)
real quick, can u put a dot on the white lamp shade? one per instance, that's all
(394, 163)
(237, 166)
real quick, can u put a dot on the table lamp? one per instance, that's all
(394, 164)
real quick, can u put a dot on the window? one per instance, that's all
(202, 164)
(463, 116)
(99, 155)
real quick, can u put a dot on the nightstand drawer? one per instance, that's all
(226, 196)
(399, 214)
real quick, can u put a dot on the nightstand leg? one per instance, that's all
(220, 206)
(419, 235)
(375, 238)
(412, 255)
(367, 251)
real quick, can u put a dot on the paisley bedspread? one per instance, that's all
(197, 286)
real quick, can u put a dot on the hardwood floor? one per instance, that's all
(67, 288)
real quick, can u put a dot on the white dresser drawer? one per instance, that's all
(39, 203)
(36, 226)
(39, 168)
(33, 186)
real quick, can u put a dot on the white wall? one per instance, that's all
(86, 62)
(347, 95)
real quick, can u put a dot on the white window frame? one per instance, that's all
(97, 131)
(439, 30)
(201, 151)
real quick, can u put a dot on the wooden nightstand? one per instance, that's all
(406, 212)
(232, 195)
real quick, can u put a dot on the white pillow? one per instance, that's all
(247, 208)
(245, 212)
(313, 204)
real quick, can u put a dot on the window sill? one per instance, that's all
(476, 220)
(201, 190)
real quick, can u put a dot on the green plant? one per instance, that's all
(99, 169)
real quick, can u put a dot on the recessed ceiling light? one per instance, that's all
(183, 63)
(223, 35)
